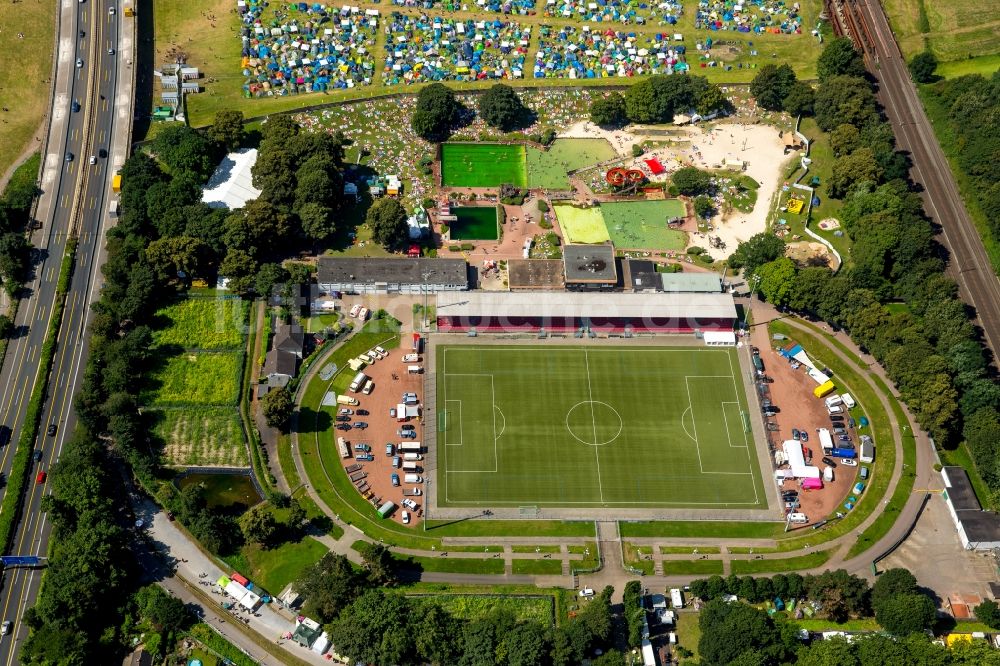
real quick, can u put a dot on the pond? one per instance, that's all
(475, 223)
(223, 490)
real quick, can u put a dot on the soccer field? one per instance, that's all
(614, 426)
(483, 165)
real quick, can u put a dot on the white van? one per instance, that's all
(412, 456)
(833, 400)
(410, 358)
(848, 401)
(369, 387)
(356, 309)
(835, 409)
(413, 478)
(414, 369)
(366, 358)
(798, 518)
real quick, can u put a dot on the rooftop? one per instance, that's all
(590, 263)
(289, 338)
(960, 490)
(980, 526)
(375, 270)
(231, 185)
(586, 304)
(691, 282)
(535, 274)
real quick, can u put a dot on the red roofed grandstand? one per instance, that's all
(604, 313)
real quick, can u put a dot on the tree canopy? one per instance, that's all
(772, 84)
(658, 98)
(691, 181)
(609, 110)
(500, 107)
(437, 111)
(839, 58)
(387, 219)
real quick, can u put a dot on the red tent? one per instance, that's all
(414, 251)
(655, 166)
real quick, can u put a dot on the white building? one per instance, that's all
(977, 529)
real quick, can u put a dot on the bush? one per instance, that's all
(542, 206)
(922, 67)
(544, 223)
(445, 228)
(548, 136)
(637, 150)
(468, 247)
(690, 181)
(454, 248)
(694, 249)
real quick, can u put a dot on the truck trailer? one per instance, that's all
(843, 453)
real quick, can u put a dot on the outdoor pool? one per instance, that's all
(222, 490)
(475, 223)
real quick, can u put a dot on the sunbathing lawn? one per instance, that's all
(581, 225)
(643, 224)
(548, 168)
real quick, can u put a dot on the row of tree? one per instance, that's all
(971, 105)
(377, 626)
(15, 251)
(929, 348)
(658, 99)
(439, 112)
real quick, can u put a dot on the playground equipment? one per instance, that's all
(622, 178)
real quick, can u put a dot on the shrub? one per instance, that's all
(454, 248)
(542, 206)
(637, 150)
(694, 249)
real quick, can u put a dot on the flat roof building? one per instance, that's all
(590, 267)
(640, 275)
(586, 312)
(535, 274)
(977, 529)
(384, 275)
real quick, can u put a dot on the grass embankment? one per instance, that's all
(28, 39)
(537, 567)
(709, 529)
(274, 568)
(801, 562)
(692, 567)
(953, 31)
(538, 608)
(10, 508)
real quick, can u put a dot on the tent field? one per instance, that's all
(483, 165)
(608, 426)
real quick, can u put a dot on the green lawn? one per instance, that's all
(581, 224)
(689, 550)
(195, 435)
(197, 378)
(533, 608)
(688, 635)
(275, 568)
(808, 561)
(537, 567)
(952, 30)
(547, 168)
(483, 165)
(692, 567)
(732, 529)
(452, 564)
(984, 65)
(598, 411)
(202, 323)
(643, 224)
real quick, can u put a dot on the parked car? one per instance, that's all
(365, 457)
(587, 592)
(406, 517)
(397, 462)
(392, 412)
(362, 447)
(407, 434)
(837, 417)
(343, 426)
(851, 423)
(803, 436)
(389, 449)
(395, 480)
(847, 462)
(796, 434)
(839, 431)
(362, 412)
(829, 461)
(844, 438)
(407, 427)
(361, 425)
(345, 411)
(343, 417)
(409, 504)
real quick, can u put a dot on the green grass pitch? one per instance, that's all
(615, 426)
(483, 165)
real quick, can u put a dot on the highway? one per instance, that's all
(969, 266)
(73, 202)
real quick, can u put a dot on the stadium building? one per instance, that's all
(582, 312)
(379, 275)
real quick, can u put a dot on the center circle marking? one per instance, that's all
(593, 412)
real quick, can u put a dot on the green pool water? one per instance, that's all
(474, 223)
(222, 490)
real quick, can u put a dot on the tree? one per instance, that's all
(858, 167)
(892, 583)
(844, 139)
(317, 221)
(771, 85)
(634, 613)
(182, 148)
(691, 181)
(434, 636)
(905, 614)
(988, 613)
(657, 98)
(374, 629)
(259, 526)
(171, 257)
(526, 645)
(845, 99)
(922, 67)
(704, 207)
(329, 586)
(437, 111)
(500, 107)
(387, 219)
(13, 259)
(379, 564)
(277, 406)
(6, 327)
(730, 630)
(240, 268)
(227, 129)
(268, 277)
(712, 100)
(800, 99)
(756, 251)
(839, 58)
(165, 612)
(609, 110)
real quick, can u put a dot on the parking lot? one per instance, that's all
(790, 391)
(371, 430)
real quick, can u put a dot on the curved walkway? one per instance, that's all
(610, 545)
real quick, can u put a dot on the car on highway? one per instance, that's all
(5, 627)
(40, 479)
(111, 51)
(361, 425)
(51, 430)
(79, 62)
(75, 106)
(69, 157)
(111, 11)
(847, 462)
(37, 455)
(93, 159)
(829, 461)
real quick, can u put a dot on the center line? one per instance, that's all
(593, 423)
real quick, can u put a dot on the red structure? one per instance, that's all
(655, 167)
(622, 177)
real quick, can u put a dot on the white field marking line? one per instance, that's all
(694, 423)
(736, 392)
(496, 454)
(725, 419)
(593, 422)
(684, 425)
(593, 503)
(461, 433)
(504, 426)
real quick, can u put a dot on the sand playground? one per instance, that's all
(758, 146)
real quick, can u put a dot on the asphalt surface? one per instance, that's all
(74, 199)
(970, 266)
